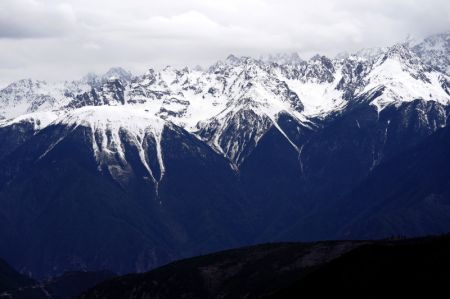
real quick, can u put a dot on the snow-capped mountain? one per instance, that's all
(219, 104)
(435, 51)
(246, 150)
(27, 96)
(404, 77)
(109, 126)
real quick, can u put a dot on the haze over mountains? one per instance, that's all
(127, 172)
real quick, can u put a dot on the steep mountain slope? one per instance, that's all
(80, 195)
(435, 51)
(403, 195)
(403, 77)
(129, 172)
(339, 157)
(255, 99)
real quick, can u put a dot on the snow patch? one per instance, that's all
(401, 86)
(109, 122)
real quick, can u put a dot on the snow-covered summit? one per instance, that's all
(234, 102)
(435, 51)
(404, 77)
(27, 95)
(369, 54)
(118, 73)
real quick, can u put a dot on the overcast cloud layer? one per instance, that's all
(54, 39)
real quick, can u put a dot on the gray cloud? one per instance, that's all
(34, 19)
(53, 39)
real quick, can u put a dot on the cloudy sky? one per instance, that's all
(57, 39)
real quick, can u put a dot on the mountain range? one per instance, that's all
(126, 172)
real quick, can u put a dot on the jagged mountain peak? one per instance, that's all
(150, 73)
(232, 59)
(318, 58)
(118, 73)
(435, 51)
(319, 69)
(25, 84)
(401, 55)
(369, 54)
(402, 76)
(194, 98)
(234, 62)
(400, 51)
(149, 77)
(179, 71)
(27, 95)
